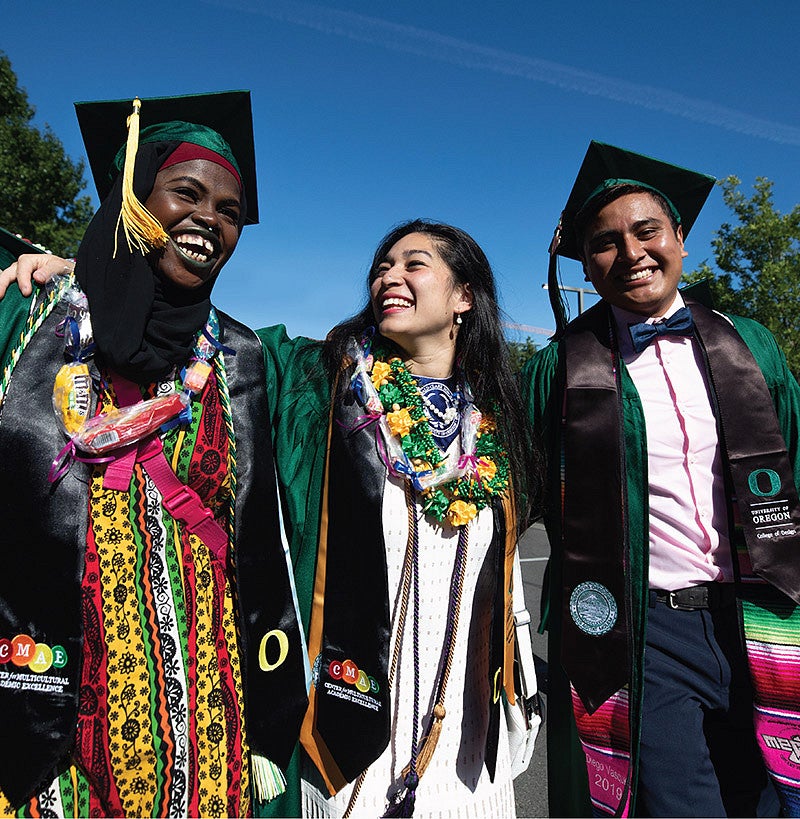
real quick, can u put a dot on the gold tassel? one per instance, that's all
(429, 743)
(142, 230)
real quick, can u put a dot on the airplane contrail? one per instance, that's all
(412, 40)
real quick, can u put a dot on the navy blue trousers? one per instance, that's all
(698, 750)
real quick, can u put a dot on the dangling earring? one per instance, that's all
(459, 320)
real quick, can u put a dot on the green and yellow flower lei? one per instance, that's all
(458, 500)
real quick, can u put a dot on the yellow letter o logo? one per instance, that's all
(283, 650)
(496, 695)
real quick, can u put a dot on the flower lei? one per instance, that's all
(481, 474)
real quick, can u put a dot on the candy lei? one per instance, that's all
(451, 491)
(101, 438)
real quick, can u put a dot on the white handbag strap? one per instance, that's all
(522, 619)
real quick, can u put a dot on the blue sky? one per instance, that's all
(371, 113)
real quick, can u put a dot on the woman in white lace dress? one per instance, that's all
(405, 462)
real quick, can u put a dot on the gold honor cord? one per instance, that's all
(429, 741)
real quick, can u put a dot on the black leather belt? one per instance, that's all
(709, 596)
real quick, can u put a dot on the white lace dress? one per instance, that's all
(456, 783)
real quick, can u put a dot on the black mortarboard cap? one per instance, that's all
(104, 129)
(12, 247)
(605, 165)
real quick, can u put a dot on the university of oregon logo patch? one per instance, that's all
(593, 608)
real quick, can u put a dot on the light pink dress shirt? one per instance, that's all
(688, 511)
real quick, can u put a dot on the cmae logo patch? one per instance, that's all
(23, 651)
(21, 655)
(344, 680)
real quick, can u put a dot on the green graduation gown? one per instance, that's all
(543, 386)
(299, 403)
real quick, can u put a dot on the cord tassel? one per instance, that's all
(429, 741)
(142, 230)
(554, 293)
(404, 807)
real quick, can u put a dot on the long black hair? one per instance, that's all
(481, 349)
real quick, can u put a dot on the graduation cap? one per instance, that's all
(606, 166)
(221, 122)
(12, 247)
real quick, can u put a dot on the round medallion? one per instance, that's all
(593, 608)
(440, 406)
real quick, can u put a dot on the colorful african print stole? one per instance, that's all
(601, 635)
(171, 663)
(170, 620)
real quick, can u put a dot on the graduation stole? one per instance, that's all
(348, 723)
(602, 643)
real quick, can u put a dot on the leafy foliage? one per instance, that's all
(519, 352)
(40, 185)
(759, 264)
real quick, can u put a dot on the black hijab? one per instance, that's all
(144, 325)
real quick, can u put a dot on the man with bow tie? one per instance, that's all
(671, 435)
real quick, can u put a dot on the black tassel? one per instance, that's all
(557, 302)
(405, 807)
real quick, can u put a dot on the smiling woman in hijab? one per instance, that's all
(152, 662)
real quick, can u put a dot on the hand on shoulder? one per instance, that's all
(33, 267)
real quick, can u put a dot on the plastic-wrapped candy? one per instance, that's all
(360, 380)
(78, 310)
(127, 425)
(72, 396)
(72, 389)
(470, 423)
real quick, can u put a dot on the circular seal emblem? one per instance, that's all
(593, 608)
(443, 414)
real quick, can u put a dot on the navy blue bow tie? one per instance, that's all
(680, 323)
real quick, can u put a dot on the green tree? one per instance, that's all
(520, 351)
(40, 185)
(758, 258)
